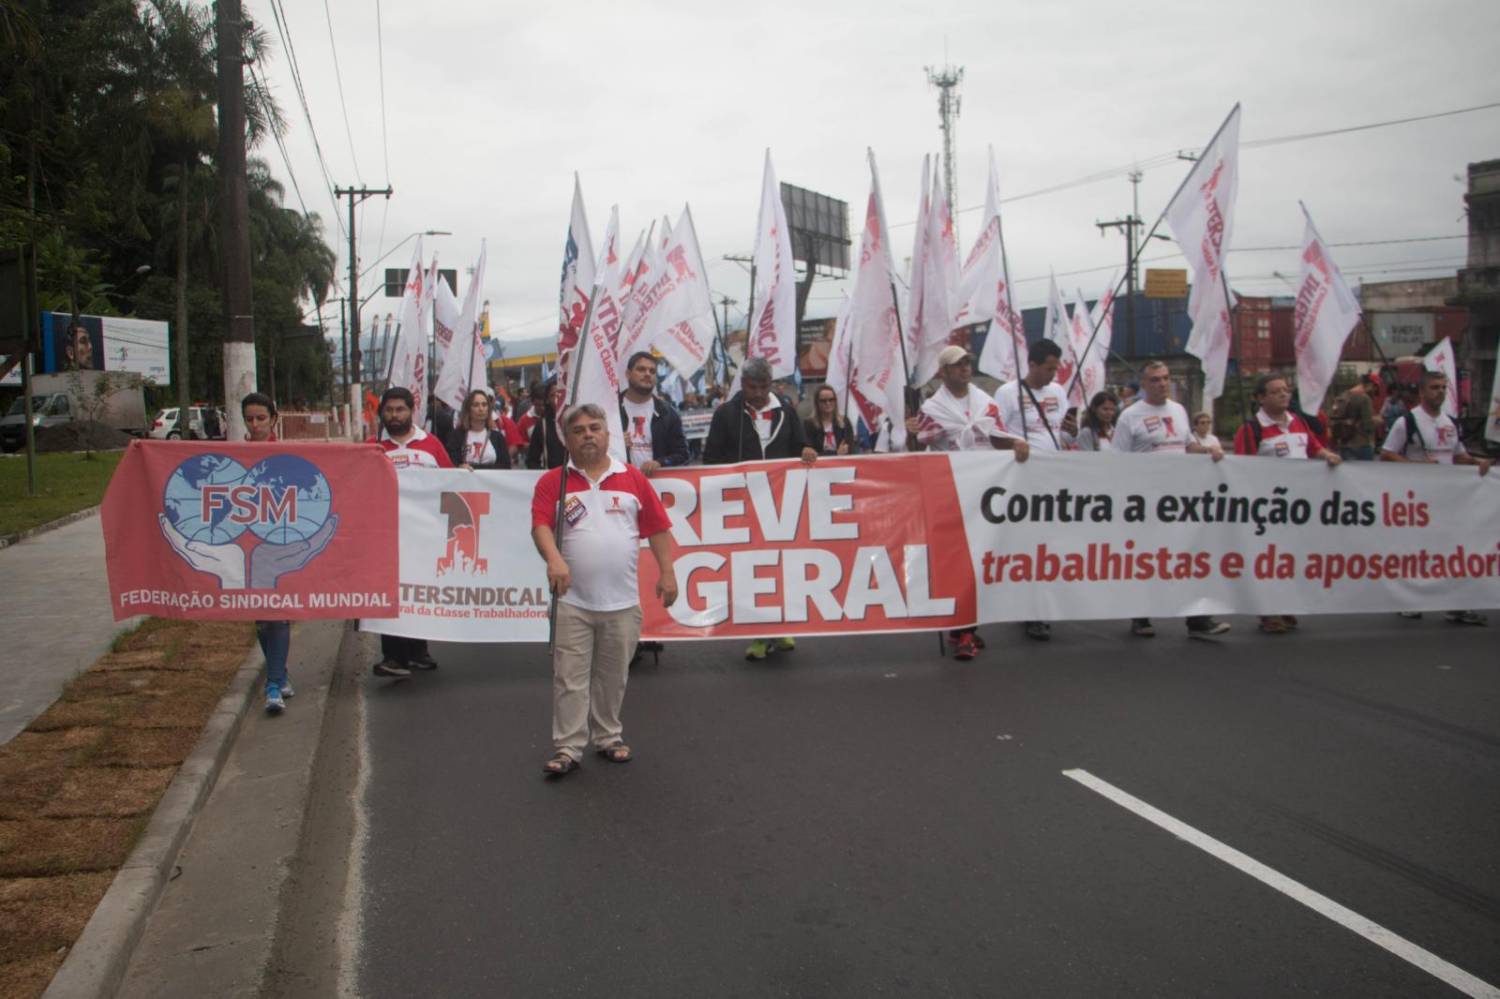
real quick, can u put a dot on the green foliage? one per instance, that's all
(107, 141)
(65, 483)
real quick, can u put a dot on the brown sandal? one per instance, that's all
(617, 753)
(560, 765)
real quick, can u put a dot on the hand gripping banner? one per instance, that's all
(214, 530)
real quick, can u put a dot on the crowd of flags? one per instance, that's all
(891, 327)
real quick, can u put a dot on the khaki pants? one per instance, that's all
(590, 664)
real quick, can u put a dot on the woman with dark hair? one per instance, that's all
(1098, 423)
(828, 430)
(259, 412)
(475, 442)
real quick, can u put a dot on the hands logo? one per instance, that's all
(247, 528)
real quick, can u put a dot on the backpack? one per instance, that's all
(1341, 426)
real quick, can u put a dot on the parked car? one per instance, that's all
(166, 426)
(57, 399)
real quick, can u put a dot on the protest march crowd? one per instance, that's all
(588, 527)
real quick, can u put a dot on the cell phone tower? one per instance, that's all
(947, 80)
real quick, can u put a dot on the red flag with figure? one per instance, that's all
(1201, 215)
(1325, 314)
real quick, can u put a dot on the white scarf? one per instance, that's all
(949, 423)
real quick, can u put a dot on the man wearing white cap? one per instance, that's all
(960, 416)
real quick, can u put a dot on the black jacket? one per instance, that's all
(669, 446)
(546, 448)
(732, 436)
(457, 440)
(843, 433)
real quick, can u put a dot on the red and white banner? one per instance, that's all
(214, 530)
(1325, 315)
(773, 323)
(1442, 360)
(1201, 216)
(577, 284)
(924, 541)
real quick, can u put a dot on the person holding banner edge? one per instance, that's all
(591, 569)
(1157, 423)
(407, 446)
(960, 416)
(275, 637)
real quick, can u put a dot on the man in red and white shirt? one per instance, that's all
(1277, 432)
(407, 446)
(601, 511)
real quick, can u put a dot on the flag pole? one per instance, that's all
(1010, 305)
(1141, 247)
(562, 491)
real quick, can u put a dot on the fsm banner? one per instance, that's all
(930, 541)
(251, 531)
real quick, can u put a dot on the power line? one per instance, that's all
(339, 79)
(385, 145)
(1163, 159)
(283, 29)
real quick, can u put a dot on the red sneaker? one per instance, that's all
(966, 648)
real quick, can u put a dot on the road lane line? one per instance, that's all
(349, 940)
(1321, 904)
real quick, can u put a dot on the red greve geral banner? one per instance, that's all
(844, 546)
(252, 531)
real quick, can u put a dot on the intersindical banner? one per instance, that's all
(273, 531)
(923, 541)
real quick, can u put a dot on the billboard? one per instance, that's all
(1402, 333)
(1166, 282)
(819, 227)
(106, 343)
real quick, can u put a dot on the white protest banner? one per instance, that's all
(1442, 360)
(849, 546)
(1201, 215)
(1325, 314)
(577, 283)
(773, 321)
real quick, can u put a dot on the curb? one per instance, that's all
(96, 963)
(6, 540)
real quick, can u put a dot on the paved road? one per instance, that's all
(863, 818)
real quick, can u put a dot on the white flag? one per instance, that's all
(984, 293)
(1080, 329)
(838, 357)
(874, 325)
(1492, 423)
(934, 279)
(1442, 360)
(773, 325)
(682, 327)
(577, 283)
(1055, 323)
(1325, 314)
(1201, 216)
(409, 361)
(1095, 363)
(445, 310)
(635, 277)
(595, 377)
(463, 368)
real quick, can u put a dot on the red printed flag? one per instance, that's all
(278, 531)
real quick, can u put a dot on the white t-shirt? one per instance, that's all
(638, 430)
(1054, 402)
(477, 448)
(1144, 428)
(1438, 438)
(1209, 441)
(765, 421)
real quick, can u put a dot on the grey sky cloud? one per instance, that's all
(490, 108)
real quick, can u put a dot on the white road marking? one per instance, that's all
(350, 937)
(1295, 890)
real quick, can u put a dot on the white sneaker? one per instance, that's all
(274, 704)
(287, 691)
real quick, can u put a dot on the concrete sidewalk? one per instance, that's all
(57, 605)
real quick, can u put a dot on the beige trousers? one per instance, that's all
(590, 664)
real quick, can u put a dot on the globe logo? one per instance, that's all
(214, 499)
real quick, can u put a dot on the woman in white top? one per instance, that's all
(1203, 431)
(474, 442)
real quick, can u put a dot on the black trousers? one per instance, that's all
(402, 650)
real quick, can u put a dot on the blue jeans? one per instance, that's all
(275, 643)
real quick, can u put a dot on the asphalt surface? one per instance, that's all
(862, 817)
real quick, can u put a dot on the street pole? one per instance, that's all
(239, 321)
(356, 393)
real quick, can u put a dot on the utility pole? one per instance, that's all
(356, 392)
(234, 215)
(1128, 225)
(724, 302)
(947, 80)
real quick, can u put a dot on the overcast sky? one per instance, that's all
(490, 108)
